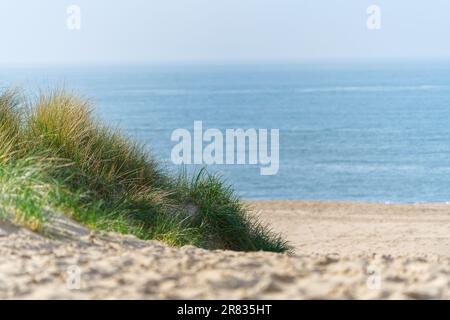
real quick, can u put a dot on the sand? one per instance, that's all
(349, 228)
(343, 251)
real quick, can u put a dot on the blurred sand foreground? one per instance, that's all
(343, 250)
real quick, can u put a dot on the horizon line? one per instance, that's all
(226, 61)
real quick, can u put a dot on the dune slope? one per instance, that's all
(115, 266)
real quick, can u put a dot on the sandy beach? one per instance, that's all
(360, 228)
(342, 251)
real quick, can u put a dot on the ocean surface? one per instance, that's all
(348, 131)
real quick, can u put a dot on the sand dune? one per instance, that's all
(343, 250)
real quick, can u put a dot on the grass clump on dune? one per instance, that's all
(55, 156)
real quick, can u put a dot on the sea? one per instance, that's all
(359, 131)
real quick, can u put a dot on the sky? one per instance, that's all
(137, 31)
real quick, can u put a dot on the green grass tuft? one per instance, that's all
(55, 156)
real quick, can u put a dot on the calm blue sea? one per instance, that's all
(348, 131)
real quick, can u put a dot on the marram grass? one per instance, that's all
(57, 158)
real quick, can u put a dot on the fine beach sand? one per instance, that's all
(342, 250)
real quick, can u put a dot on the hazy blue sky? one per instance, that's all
(195, 30)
